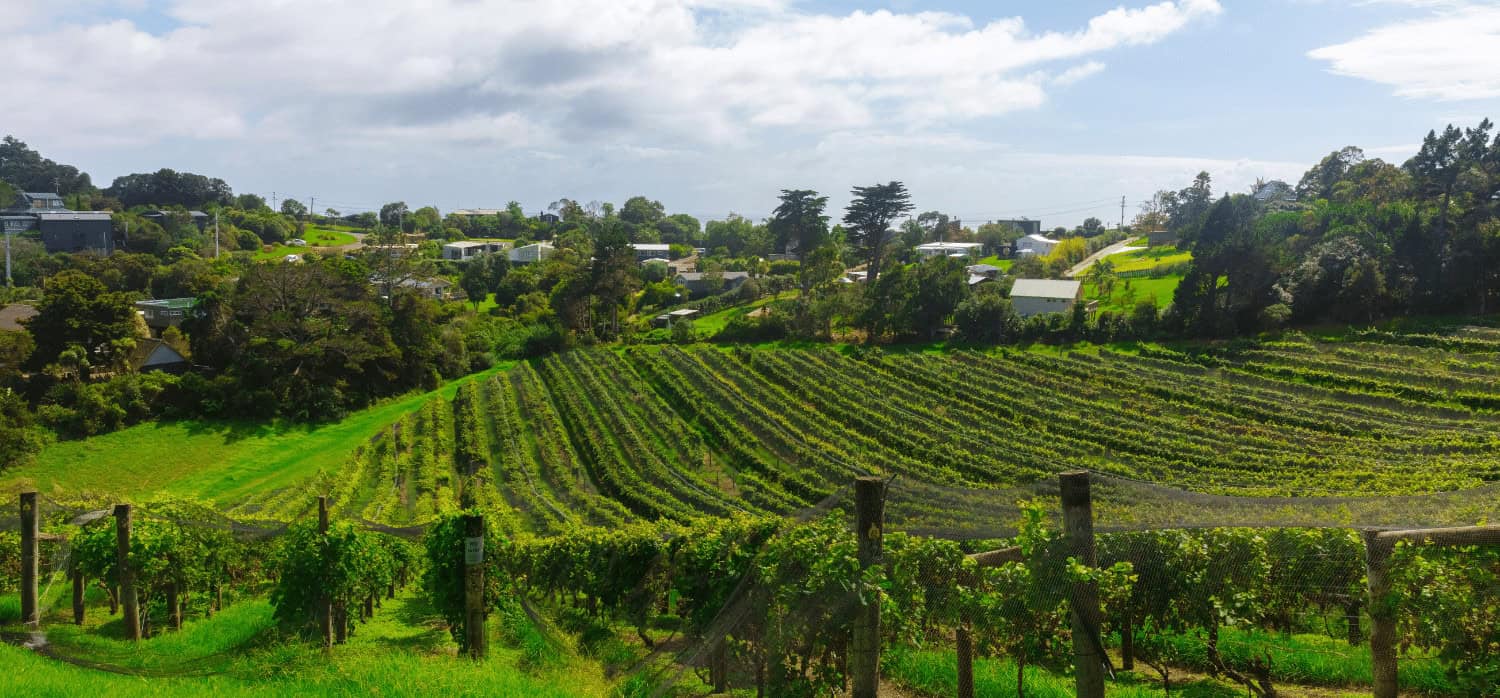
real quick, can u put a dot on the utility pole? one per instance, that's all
(8, 283)
(273, 201)
(216, 234)
(1122, 213)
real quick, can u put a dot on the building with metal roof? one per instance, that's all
(1038, 296)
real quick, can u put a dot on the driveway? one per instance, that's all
(1083, 266)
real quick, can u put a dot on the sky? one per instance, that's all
(986, 110)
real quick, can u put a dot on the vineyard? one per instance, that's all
(606, 437)
(683, 517)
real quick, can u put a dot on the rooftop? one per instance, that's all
(698, 275)
(465, 244)
(73, 215)
(650, 246)
(1040, 238)
(169, 303)
(1045, 288)
(950, 246)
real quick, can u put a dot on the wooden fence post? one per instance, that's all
(30, 560)
(474, 610)
(965, 651)
(869, 522)
(1078, 532)
(174, 607)
(325, 608)
(126, 574)
(1382, 617)
(78, 584)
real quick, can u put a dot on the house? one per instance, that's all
(436, 288)
(645, 251)
(469, 249)
(704, 283)
(666, 319)
(156, 355)
(986, 270)
(527, 254)
(37, 201)
(199, 218)
(1159, 238)
(76, 231)
(13, 317)
(949, 249)
(1025, 225)
(1038, 296)
(1036, 244)
(162, 313)
(467, 212)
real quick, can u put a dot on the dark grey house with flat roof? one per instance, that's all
(77, 231)
(62, 230)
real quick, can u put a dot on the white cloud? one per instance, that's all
(1449, 55)
(537, 73)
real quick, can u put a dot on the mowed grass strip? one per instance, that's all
(224, 462)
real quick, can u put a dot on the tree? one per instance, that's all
(167, 187)
(249, 202)
(26, 170)
(392, 215)
(640, 211)
(475, 280)
(798, 225)
(1320, 181)
(293, 208)
(79, 311)
(869, 216)
(1091, 227)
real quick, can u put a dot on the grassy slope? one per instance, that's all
(220, 461)
(315, 237)
(1159, 290)
(400, 652)
(711, 324)
(1140, 260)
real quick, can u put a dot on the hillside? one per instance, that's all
(605, 437)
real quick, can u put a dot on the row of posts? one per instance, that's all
(474, 610)
(1078, 534)
(864, 656)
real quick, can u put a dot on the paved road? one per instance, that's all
(1083, 266)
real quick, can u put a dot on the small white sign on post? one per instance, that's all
(473, 550)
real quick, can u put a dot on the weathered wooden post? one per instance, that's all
(869, 522)
(325, 608)
(30, 560)
(1382, 616)
(474, 609)
(174, 607)
(78, 584)
(126, 574)
(964, 642)
(1078, 532)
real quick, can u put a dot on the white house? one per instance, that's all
(647, 250)
(1037, 296)
(949, 249)
(534, 252)
(469, 249)
(1035, 244)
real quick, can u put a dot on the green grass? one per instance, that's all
(219, 461)
(935, 673)
(1142, 260)
(10, 608)
(994, 260)
(402, 651)
(1159, 291)
(1311, 660)
(315, 237)
(711, 324)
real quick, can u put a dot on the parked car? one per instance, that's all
(297, 242)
